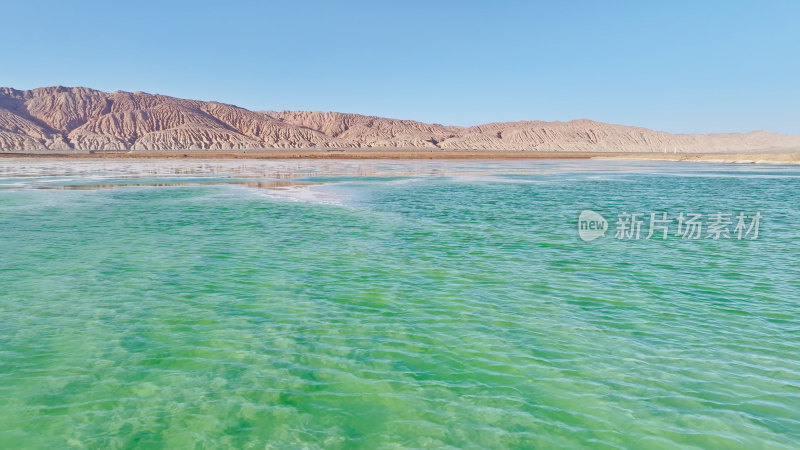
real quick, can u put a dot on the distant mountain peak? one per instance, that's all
(59, 118)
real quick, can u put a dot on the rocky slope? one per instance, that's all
(60, 119)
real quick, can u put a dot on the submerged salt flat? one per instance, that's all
(298, 168)
(393, 303)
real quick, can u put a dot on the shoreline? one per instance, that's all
(740, 158)
(317, 154)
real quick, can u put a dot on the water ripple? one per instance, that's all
(437, 305)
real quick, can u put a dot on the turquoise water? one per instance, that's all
(387, 304)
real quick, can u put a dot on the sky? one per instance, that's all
(677, 66)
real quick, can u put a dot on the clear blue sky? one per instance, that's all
(679, 66)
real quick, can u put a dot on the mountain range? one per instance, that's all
(58, 119)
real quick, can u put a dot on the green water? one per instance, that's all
(396, 304)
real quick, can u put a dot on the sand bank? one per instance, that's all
(743, 158)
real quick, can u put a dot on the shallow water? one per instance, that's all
(382, 304)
